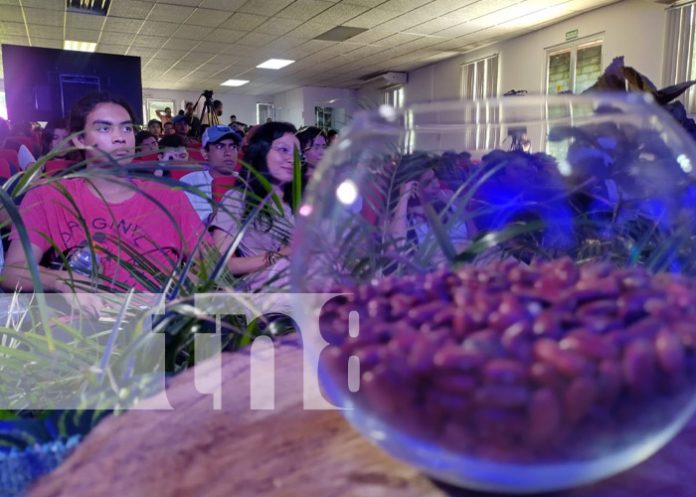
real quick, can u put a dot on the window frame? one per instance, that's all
(571, 46)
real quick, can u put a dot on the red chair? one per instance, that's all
(146, 158)
(195, 154)
(10, 156)
(5, 169)
(28, 142)
(53, 166)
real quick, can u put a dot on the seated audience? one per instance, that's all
(220, 148)
(120, 220)
(164, 115)
(312, 146)
(145, 143)
(264, 248)
(181, 128)
(155, 128)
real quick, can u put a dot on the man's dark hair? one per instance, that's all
(306, 136)
(154, 121)
(81, 108)
(171, 141)
(47, 133)
(141, 136)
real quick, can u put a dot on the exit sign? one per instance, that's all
(571, 35)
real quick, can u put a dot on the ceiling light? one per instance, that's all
(275, 63)
(79, 46)
(235, 82)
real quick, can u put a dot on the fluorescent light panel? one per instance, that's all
(275, 64)
(79, 46)
(235, 82)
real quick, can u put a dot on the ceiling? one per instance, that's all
(197, 44)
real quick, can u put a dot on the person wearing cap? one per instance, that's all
(181, 128)
(220, 145)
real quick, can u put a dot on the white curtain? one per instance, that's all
(679, 50)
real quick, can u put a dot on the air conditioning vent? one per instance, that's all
(93, 7)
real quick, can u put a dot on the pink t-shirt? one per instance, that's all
(138, 225)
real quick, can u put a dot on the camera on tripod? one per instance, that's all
(207, 94)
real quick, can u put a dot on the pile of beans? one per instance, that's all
(518, 362)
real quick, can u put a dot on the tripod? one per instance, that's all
(208, 116)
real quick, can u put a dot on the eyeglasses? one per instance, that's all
(283, 150)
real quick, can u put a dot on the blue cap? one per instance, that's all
(178, 118)
(214, 134)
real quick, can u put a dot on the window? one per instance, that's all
(679, 51)
(3, 105)
(264, 111)
(480, 78)
(394, 97)
(574, 67)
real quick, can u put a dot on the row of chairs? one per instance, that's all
(9, 163)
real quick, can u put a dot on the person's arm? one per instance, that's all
(16, 276)
(247, 264)
(161, 114)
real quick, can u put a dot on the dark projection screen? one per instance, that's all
(42, 83)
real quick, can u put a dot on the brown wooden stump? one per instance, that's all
(197, 451)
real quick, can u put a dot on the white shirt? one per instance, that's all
(203, 181)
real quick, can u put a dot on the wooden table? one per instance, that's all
(194, 450)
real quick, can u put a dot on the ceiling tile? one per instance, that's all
(49, 32)
(111, 38)
(15, 29)
(43, 4)
(151, 42)
(398, 39)
(11, 13)
(310, 30)
(190, 3)
(459, 30)
(244, 22)
(367, 3)
(38, 16)
(113, 49)
(15, 40)
(209, 47)
(340, 13)
(221, 35)
(264, 7)
(278, 27)
(170, 13)
(433, 26)
(159, 28)
(83, 21)
(400, 23)
(192, 32)
(47, 43)
(122, 25)
(226, 5)
(166, 53)
(372, 18)
(135, 9)
(207, 17)
(303, 10)
(82, 35)
(256, 39)
(405, 5)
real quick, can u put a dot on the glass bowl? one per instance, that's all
(515, 280)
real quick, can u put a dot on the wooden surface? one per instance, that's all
(197, 451)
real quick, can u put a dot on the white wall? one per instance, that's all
(297, 106)
(289, 106)
(632, 28)
(243, 106)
